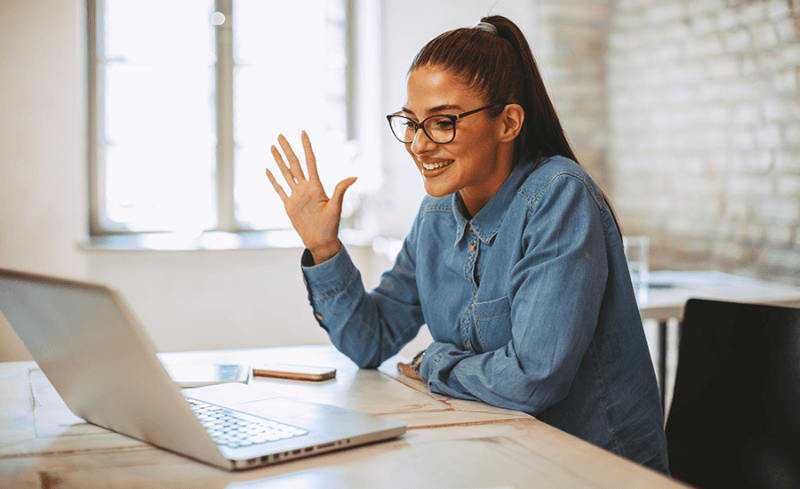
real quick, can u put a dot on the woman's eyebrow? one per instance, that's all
(438, 108)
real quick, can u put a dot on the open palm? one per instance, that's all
(314, 216)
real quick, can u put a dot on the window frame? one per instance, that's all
(99, 227)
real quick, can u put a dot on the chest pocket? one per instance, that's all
(492, 323)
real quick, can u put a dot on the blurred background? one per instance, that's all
(133, 138)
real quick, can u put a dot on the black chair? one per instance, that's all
(735, 414)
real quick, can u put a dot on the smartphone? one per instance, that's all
(295, 372)
(197, 375)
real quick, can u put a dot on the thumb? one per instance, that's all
(338, 192)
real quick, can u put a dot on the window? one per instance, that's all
(187, 96)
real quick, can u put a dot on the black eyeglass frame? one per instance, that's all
(421, 125)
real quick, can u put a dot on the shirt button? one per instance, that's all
(475, 295)
(469, 347)
(470, 228)
(473, 247)
(318, 316)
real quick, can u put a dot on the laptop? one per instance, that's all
(104, 366)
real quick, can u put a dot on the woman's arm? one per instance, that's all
(368, 327)
(357, 322)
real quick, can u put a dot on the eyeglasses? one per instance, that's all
(441, 129)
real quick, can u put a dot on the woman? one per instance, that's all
(514, 261)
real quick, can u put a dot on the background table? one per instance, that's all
(668, 293)
(450, 443)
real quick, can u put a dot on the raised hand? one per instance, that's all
(314, 216)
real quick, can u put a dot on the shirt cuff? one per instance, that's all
(328, 275)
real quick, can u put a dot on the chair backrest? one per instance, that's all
(735, 414)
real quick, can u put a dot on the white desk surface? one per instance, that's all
(450, 443)
(669, 291)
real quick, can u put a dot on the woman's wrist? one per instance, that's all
(417, 361)
(321, 254)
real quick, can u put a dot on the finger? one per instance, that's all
(311, 160)
(294, 163)
(287, 174)
(338, 193)
(277, 187)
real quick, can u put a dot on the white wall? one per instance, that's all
(42, 151)
(186, 300)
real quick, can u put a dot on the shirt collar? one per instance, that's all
(487, 222)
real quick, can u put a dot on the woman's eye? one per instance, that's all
(443, 124)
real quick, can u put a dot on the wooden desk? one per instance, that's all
(450, 443)
(670, 290)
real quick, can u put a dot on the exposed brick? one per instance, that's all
(752, 13)
(703, 47)
(789, 186)
(731, 251)
(702, 24)
(779, 235)
(726, 19)
(778, 211)
(749, 186)
(704, 7)
(781, 109)
(742, 139)
(738, 39)
(791, 132)
(665, 12)
(785, 30)
(746, 114)
(788, 161)
(768, 136)
(703, 132)
(726, 67)
(785, 259)
(764, 36)
(752, 234)
(791, 55)
(778, 9)
(786, 81)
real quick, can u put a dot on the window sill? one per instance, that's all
(211, 240)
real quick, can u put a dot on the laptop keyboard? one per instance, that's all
(236, 430)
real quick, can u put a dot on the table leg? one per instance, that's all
(662, 363)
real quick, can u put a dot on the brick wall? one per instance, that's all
(569, 43)
(698, 144)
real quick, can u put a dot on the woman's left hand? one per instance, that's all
(405, 369)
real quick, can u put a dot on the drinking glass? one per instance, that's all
(637, 249)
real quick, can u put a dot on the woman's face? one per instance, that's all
(470, 163)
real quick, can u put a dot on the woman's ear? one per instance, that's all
(512, 118)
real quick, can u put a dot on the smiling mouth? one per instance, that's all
(437, 165)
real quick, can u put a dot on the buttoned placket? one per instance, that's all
(469, 271)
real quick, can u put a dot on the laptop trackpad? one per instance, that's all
(286, 410)
(229, 394)
(262, 402)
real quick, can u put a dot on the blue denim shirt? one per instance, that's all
(529, 303)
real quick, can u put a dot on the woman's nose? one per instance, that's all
(421, 143)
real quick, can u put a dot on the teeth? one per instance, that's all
(433, 166)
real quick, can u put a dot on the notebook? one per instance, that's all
(104, 366)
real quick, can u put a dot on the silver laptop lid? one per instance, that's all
(101, 362)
